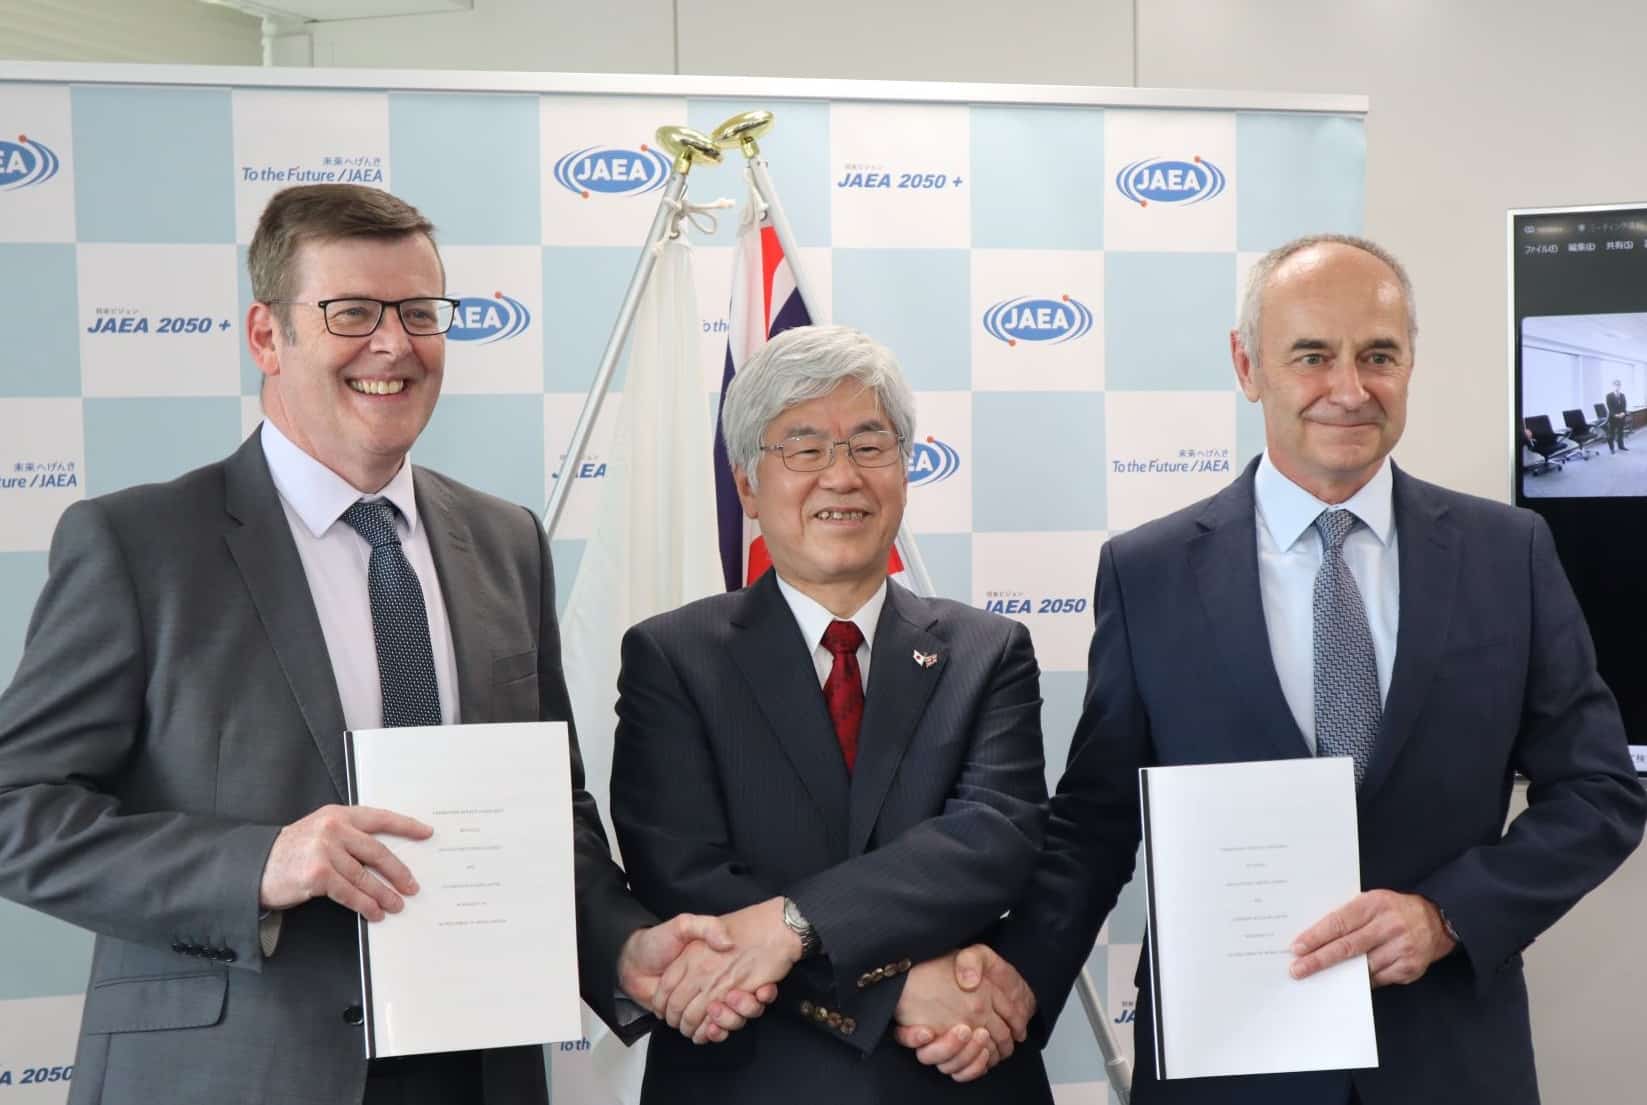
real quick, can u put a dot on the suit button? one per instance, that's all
(806, 1009)
(194, 950)
(209, 953)
(904, 964)
(354, 1015)
(180, 948)
(834, 1020)
(820, 1014)
(864, 980)
(227, 955)
(848, 1026)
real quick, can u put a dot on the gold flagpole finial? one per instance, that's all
(687, 147)
(741, 130)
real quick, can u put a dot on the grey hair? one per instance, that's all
(1252, 301)
(806, 363)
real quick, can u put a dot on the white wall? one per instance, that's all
(620, 36)
(177, 31)
(1048, 41)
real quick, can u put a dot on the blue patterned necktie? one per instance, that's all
(400, 625)
(1348, 706)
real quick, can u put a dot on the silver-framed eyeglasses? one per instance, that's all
(355, 317)
(815, 452)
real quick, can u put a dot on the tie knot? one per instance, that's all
(1334, 526)
(842, 638)
(374, 520)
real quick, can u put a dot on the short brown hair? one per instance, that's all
(321, 212)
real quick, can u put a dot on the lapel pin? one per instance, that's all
(925, 659)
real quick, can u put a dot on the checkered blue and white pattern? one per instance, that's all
(1059, 283)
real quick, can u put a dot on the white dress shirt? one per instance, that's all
(813, 619)
(1289, 555)
(335, 561)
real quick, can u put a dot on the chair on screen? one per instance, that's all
(1579, 432)
(1553, 448)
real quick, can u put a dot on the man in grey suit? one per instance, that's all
(171, 748)
(851, 773)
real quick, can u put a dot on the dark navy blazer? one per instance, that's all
(1494, 674)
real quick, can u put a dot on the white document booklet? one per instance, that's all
(485, 953)
(1239, 860)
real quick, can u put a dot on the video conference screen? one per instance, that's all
(1578, 293)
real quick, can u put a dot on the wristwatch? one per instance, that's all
(1447, 924)
(811, 943)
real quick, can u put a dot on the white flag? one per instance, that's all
(653, 549)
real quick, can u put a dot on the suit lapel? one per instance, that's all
(899, 691)
(768, 649)
(462, 592)
(1224, 561)
(269, 565)
(1428, 558)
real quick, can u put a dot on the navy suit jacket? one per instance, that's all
(728, 788)
(1494, 674)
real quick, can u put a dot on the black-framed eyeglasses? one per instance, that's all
(422, 317)
(815, 452)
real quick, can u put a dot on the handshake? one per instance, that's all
(707, 977)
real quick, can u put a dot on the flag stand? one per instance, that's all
(688, 148)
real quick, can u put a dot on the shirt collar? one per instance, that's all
(1287, 510)
(813, 618)
(318, 494)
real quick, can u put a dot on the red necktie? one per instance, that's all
(844, 689)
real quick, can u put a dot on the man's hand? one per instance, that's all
(332, 854)
(763, 951)
(1401, 935)
(980, 997)
(650, 952)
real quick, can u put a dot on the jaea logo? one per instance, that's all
(1164, 180)
(612, 171)
(1049, 321)
(484, 321)
(932, 461)
(25, 163)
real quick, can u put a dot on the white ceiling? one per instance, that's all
(1605, 335)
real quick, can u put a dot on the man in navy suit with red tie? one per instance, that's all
(850, 773)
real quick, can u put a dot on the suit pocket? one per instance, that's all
(151, 1004)
(515, 687)
(507, 669)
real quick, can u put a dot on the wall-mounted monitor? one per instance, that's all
(1578, 352)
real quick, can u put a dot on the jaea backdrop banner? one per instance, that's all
(1058, 280)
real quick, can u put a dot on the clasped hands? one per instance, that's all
(705, 976)
(963, 1012)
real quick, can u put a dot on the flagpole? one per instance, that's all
(689, 147)
(742, 131)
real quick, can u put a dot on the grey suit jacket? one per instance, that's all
(175, 705)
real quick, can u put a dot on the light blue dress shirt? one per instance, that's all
(1289, 555)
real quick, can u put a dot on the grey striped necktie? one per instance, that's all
(400, 624)
(1348, 706)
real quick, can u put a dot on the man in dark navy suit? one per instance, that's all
(1616, 407)
(851, 774)
(1327, 602)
